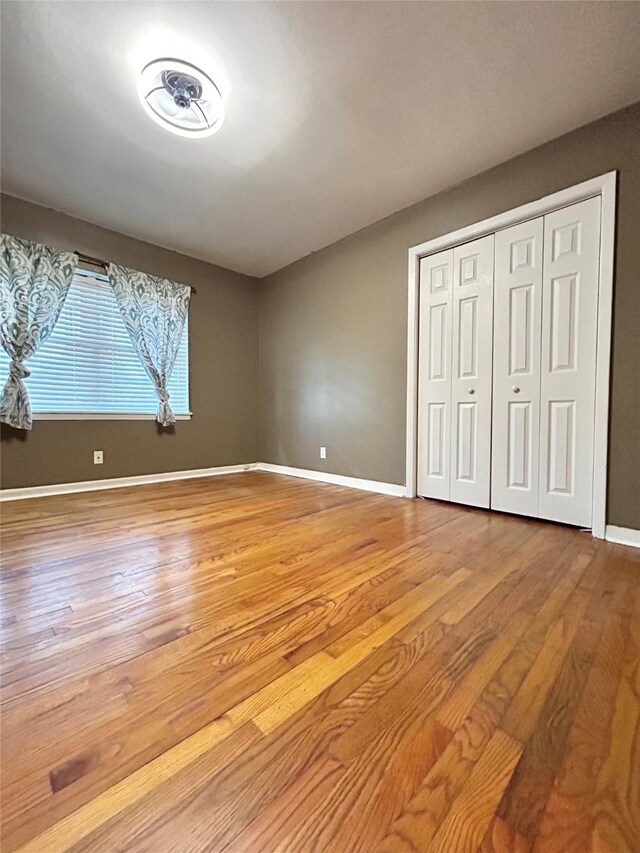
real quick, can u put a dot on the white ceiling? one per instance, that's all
(338, 113)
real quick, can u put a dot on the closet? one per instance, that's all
(507, 367)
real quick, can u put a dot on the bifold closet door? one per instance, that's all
(516, 367)
(471, 355)
(545, 332)
(568, 364)
(507, 368)
(454, 388)
(434, 375)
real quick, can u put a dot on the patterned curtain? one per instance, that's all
(154, 311)
(34, 282)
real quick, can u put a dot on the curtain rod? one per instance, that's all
(87, 259)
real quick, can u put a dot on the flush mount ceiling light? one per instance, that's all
(181, 97)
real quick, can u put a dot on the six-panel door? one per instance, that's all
(568, 363)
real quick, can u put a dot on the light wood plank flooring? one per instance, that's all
(260, 663)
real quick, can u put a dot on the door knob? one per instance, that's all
(472, 390)
(516, 389)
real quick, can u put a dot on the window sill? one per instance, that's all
(102, 416)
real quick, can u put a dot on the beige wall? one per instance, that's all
(223, 375)
(333, 325)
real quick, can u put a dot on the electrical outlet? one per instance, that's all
(323, 453)
(98, 457)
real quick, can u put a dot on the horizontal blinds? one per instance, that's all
(88, 364)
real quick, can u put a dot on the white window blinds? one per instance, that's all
(88, 364)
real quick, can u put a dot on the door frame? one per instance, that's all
(603, 186)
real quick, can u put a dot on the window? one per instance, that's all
(88, 365)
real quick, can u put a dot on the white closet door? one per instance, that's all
(434, 372)
(516, 368)
(568, 365)
(471, 372)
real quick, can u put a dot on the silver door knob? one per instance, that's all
(516, 389)
(472, 391)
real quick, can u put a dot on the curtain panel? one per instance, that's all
(34, 282)
(154, 311)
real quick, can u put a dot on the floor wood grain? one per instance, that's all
(261, 663)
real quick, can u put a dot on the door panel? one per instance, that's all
(568, 364)
(471, 372)
(467, 442)
(438, 345)
(519, 453)
(437, 443)
(516, 368)
(434, 375)
(562, 449)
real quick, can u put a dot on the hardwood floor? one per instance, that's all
(260, 663)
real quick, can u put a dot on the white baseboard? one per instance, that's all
(619, 535)
(145, 479)
(622, 535)
(118, 482)
(336, 479)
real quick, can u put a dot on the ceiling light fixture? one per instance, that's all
(181, 98)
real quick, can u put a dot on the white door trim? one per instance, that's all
(604, 186)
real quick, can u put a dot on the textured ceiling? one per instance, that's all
(338, 113)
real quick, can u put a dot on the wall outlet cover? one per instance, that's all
(98, 457)
(323, 453)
